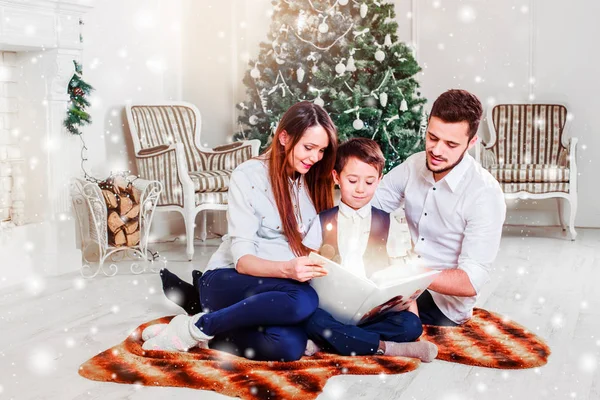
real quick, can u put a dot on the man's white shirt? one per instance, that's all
(454, 223)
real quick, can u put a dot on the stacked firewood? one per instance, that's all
(123, 205)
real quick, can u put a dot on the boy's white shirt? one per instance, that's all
(354, 228)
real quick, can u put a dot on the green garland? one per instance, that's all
(78, 90)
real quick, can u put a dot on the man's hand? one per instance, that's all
(303, 269)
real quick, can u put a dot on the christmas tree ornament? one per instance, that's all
(314, 69)
(350, 67)
(403, 105)
(255, 73)
(319, 101)
(363, 10)
(323, 27)
(358, 123)
(379, 55)
(383, 98)
(300, 74)
(342, 2)
(388, 40)
(253, 120)
(340, 68)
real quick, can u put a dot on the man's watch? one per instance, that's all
(380, 352)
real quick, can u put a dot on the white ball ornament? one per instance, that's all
(323, 27)
(255, 73)
(383, 98)
(319, 101)
(300, 74)
(358, 124)
(253, 120)
(379, 55)
(340, 68)
(363, 10)
(342, 2)
(314, 69)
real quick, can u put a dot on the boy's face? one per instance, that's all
(358, 182)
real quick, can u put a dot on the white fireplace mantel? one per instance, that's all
(41, 24)
(45, 37)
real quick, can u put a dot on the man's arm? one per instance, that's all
(390, 193)
(453, 282)
(480, 246)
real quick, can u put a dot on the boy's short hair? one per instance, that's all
(363, 149)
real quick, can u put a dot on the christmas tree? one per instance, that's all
(345, 56)
(78, 91)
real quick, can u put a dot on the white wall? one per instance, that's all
(132, 53)
(502, 51)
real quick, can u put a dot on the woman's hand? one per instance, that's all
(302, 269)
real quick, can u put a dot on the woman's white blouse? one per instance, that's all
(254, 225)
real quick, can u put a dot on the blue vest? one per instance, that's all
(375, 257)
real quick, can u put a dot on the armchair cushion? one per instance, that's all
(211, 181)
(535, 188)
(529, 173)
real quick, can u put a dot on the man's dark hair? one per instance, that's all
(363, 149)
(457, 105)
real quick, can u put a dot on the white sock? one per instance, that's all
(423, 350)
(311, 348)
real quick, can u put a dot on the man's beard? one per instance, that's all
(447, 168)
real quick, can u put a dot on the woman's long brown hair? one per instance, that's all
(319, 181)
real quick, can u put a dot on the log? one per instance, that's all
(125, 204)
(134, 212)
(120, 238)
(133, 239)
(136, 194)
(114, 222)
(131, 226)
(110, 198)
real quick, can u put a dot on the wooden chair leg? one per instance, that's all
(561, 216)
(190, 224)
(573, 211)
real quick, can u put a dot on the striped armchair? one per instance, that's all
(166, 140)
(530, 156)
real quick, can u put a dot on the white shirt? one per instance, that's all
(254, 225)
(454, 223)
(354, 228)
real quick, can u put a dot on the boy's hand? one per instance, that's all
(302, 269)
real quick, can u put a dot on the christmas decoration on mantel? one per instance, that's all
(345, 56)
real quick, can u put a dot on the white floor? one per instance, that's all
(549, 284)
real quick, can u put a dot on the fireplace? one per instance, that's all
(38, 42)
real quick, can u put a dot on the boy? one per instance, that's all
(356, 235)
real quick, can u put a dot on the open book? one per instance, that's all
(352, 299)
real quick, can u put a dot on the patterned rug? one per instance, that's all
(486, 340)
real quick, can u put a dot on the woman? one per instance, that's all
(255, 288)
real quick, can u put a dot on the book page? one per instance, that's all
(394, 296)
(341, 293)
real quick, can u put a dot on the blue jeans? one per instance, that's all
(255, 317)
(334, 336)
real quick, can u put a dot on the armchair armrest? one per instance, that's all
(228, 157)
(153, 150)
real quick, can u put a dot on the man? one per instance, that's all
(454, 208)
